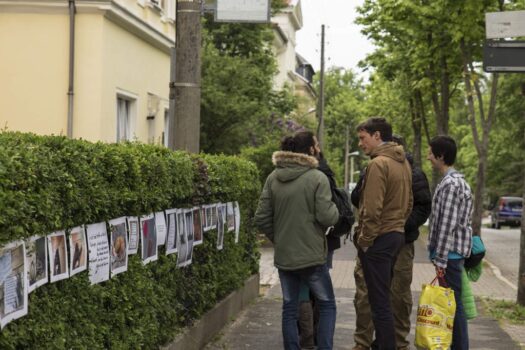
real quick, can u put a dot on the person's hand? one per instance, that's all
(440, 272)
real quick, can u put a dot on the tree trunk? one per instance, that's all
(184, 132)
(486, 124)
(416, 128)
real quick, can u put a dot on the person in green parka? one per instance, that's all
(294, 211)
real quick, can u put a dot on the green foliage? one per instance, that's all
(51, 183)
(344, 97)
(507, 142)
(239, 104)
(262, 157)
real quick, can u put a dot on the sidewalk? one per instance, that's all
(259, 326)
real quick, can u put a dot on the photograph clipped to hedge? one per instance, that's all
(50, 184)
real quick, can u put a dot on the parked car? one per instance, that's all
(507, 211)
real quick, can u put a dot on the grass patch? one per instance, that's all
(505, 310)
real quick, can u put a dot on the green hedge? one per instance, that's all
(262, 157)
(48, 183)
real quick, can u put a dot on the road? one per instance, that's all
(503, 250)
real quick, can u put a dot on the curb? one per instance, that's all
(499, 275)
(212, 322)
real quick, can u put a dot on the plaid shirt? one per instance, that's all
(450, 220)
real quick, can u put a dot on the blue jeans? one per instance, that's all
(320, 283)
(460, 329)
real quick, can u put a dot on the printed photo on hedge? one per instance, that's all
(182, 239)
(197, 226)
(119, 255)
(98, 253)
(36, 260)
(57, 256)
(160, 226)
(220, 226)
(77, 250)
(208, 217)
(237, 212)
(13, 286)
(149, 239)
(133, 230)
(230, 216)
(190, 234)
(214, 213)
(171, 236)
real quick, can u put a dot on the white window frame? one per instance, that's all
(132, 102)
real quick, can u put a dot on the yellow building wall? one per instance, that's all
(132, 65)
(88, 77)
(33, 72)
(34, 54)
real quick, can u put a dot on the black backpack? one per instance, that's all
(346, 216)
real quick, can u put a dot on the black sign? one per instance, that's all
(504, 56)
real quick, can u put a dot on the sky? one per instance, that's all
(345, 46)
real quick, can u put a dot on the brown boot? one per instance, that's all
(306, 325)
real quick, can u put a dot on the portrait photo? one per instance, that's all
(77, 250)
(58, 265)
(148, 238)
(119, 246)
(182, 239)
(197, 226)
(230, 216)
(36, 261)
(220, 226)
(13, 285)
(171, 236)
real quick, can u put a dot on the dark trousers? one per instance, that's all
(378, 263)
(453, 279)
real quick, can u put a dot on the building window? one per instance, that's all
(125, 115)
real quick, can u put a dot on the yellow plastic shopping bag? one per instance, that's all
(435, 317)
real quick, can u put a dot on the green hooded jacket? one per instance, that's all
(294, 211)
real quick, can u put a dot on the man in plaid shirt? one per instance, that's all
(450, 238)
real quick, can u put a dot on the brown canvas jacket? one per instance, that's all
(386, 199)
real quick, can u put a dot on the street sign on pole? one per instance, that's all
(505, 24)
(252, 11)
(504, 56)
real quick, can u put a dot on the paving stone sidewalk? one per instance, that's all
(259, 326)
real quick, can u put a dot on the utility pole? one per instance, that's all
(521, 273)
(320, 109)
(184, 118)
(347, 149)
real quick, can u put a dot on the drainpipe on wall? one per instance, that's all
(72, 11)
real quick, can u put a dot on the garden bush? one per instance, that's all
(50, 183)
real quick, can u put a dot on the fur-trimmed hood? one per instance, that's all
(291, 165)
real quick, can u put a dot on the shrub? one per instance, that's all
(262, 157)
(48, 183)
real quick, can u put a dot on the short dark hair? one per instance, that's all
(299, 143)
(444, 146)
(399, 140)
(377, 124)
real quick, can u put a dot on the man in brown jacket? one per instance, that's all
(384, 205)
